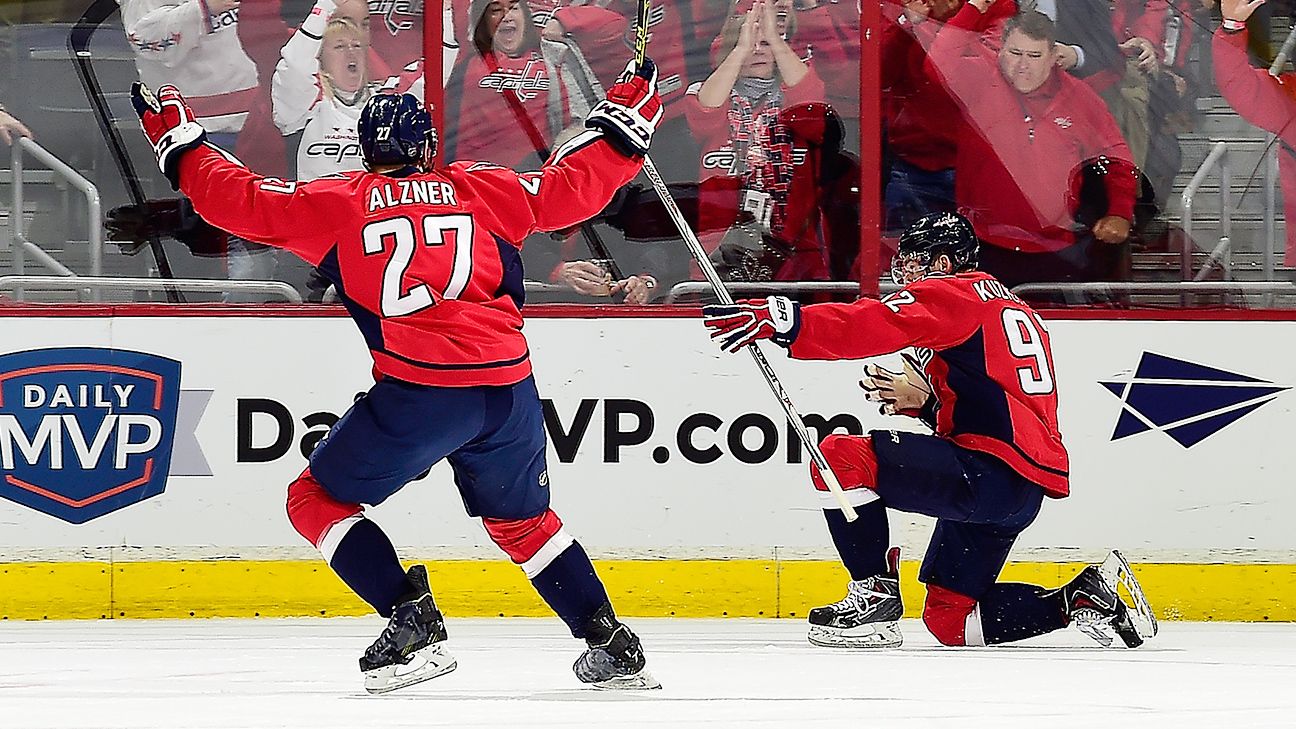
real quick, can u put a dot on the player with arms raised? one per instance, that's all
(427, 263)
(982, 380)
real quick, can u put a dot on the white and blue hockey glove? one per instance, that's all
(776, 318)
(170, 126)
(631, 111)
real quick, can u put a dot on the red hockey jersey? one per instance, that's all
(985, 351)
(428, 265)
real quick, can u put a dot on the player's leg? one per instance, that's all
(385, 440)
(919, 474)
(502, 478)
(1005, 612)
(869, 615)
(979, 519)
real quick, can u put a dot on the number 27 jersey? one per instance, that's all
(428, 265)
(985, 351)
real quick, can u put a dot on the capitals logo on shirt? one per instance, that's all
(527, 83)
(397, 15)
(86, 431)
(1189, 402)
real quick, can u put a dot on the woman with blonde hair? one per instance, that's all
(319, 88)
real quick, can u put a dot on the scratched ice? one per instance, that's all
(716, 674)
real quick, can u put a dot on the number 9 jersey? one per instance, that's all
(985, 351)
(427, 264)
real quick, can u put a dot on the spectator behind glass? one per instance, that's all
(749, 154)
(320, 85)
(1085, 44)
(508, 100)
(921, 134)
(1139, 29)
(195, 46)
(1265, 101)
(1028, 134)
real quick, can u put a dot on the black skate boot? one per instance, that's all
(412, 647)
(614, 660)
(1097, 610)
(869, 615)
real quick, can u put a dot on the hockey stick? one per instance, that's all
(79, 46)
(708, 271)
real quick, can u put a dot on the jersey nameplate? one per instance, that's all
(411, 192)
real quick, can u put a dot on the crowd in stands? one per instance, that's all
(1053, 125)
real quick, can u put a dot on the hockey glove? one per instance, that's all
(631, 111)
(170, 126)
(900, 393)
(133, 226)
(776, 318)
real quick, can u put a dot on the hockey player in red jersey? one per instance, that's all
(982, 380)
(427, 263)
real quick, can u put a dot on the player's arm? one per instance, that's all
(930, 313)
(164, 31)
(1260, 98)
(296, 217)
(582, 175)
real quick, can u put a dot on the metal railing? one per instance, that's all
(773, 287)
(1175, 288)
(1271, 207)
(95, 284)
(24, 146)
(1222, 252)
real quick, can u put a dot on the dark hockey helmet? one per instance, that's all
(930, 237)
(395, 129)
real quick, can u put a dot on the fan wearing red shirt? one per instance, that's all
(1027, 130)
(1265, 101)
(981, 377)
(427, 262)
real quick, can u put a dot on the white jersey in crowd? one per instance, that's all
(180, 43)
(329, 141)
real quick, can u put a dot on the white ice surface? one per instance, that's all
(716, 673)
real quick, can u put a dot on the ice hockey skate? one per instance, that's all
(1096, 607)
(412, 647)
(869, 615)
(614, 659)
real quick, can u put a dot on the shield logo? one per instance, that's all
(85, 431)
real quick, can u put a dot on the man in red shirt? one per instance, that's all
(428, 264)
(1028, 130)
(1265, 101)
(981, 377)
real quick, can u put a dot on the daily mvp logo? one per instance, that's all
(86, 431)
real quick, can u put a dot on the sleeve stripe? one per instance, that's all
(576, 143)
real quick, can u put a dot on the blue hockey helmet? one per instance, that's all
(395, 129)
(930, 237)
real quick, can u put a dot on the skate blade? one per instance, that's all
(1094, 625)
(425, 664)
(871, 635)
(1116, 571)
(641, 681)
